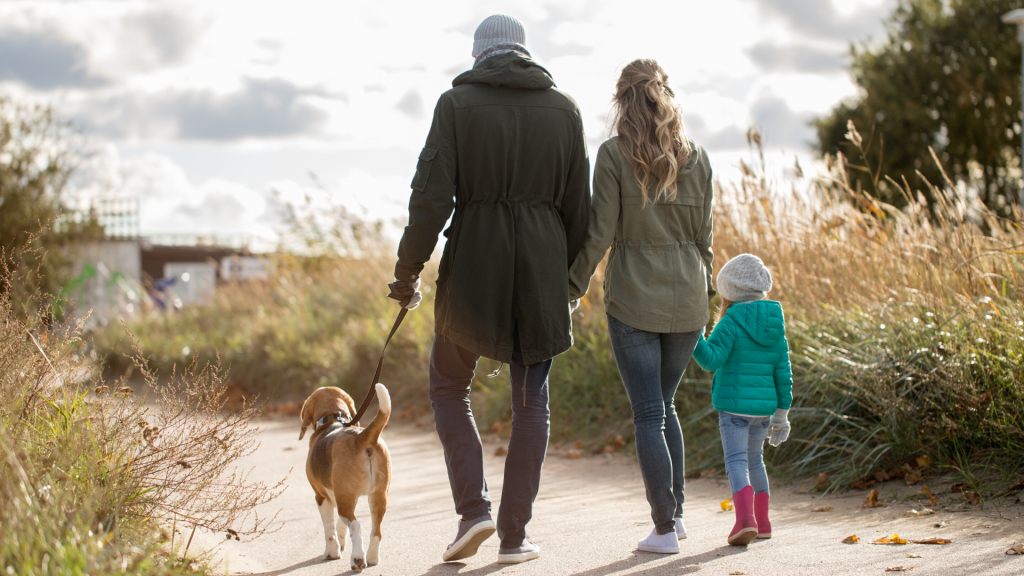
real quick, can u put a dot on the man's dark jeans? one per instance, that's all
(451, 377)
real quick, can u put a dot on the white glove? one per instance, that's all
(408, 295)
(778, 427)
(573, 305)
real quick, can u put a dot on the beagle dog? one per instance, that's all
(345, 463)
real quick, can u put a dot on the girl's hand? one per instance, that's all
(778, 427)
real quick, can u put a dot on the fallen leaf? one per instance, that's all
(940, 524)
(496, 428)
(609, 449)
(923, 461)
(619, 442)
(925, 491)
(898, 569)
(707, 472)
(726, 504)
(822, 509)
(893, 539)
(881, 476)
(501, 451)
(1016, 548)
(913, 477)
(958, 487)
(913, 555)
(872, 501)
(911, 512)
(932, 500)
(573, 454)
(823, 482)
(927, 512)
(578, 444)
(863, 484)
(972, 497)
(935, 540)
(897, 473)
(851, 539)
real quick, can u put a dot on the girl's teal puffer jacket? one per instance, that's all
(749, 355)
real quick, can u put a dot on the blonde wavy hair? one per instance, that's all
(650, 129)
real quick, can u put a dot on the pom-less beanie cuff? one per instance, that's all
(498, 29)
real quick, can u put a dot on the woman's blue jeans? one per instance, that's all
(743, 444)
(651, 365)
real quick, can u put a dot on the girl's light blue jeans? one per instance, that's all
(743, 444)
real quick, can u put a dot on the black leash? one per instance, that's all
(376, 377)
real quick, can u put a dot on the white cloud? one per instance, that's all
(280, 88)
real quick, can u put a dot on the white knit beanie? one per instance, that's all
(498, 29)
(745, 277)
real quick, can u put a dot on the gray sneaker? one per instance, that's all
(471, 535)
(526, 551)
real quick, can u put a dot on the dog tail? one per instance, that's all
(371, 433)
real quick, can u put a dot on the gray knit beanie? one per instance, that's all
(497, 29)
(745, 277)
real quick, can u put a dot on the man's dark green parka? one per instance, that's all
(507, 153)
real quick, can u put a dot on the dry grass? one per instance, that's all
(905, 328)
(94, 479)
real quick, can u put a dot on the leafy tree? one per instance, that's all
(947, 76)
(36, 160)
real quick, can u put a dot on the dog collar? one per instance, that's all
(336, 417)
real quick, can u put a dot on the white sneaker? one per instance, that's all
(680, 528)
(660, 543)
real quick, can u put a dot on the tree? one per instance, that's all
(36, 160)
(947, 77)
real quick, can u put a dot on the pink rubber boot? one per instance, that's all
(764, 527)
(745, 529)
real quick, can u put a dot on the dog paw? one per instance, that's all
(358, 563)
(330, 555)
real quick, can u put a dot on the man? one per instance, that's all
(506, 151)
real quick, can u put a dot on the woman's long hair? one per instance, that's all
(650, 129)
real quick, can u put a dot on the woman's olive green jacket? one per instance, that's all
(658, 276)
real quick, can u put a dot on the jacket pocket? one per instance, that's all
(426, 161)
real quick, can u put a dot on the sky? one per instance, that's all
(216, 114)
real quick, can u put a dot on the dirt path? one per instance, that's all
(590, 514)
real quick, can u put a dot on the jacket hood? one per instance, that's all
(761, 319)
(693, 160)
(512, 70)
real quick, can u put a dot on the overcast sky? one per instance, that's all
(202, 108)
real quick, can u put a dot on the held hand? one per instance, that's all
(778, 427)
(408, 294)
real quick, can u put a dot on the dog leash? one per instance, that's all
(376, 376)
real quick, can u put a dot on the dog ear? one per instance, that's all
(307, 416)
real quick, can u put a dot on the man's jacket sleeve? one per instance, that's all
(575, 206)
(433, 194)
(604, 219)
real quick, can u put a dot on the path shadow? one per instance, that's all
(305, 563)
(456, 568)
(679, 565)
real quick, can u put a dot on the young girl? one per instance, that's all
(752, 388)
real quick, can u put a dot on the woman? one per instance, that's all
(652, 204)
